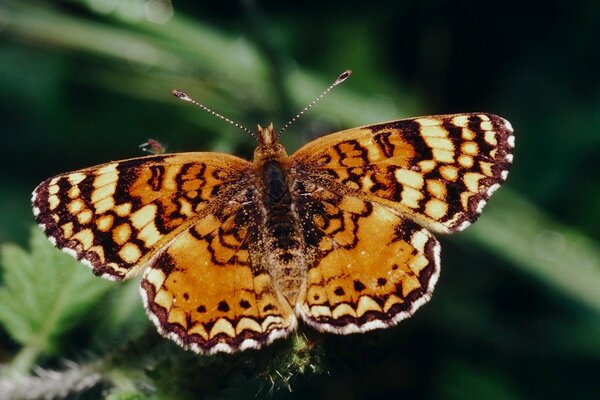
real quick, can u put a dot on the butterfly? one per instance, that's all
(235, 253)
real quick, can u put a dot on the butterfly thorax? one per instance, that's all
(283, 256)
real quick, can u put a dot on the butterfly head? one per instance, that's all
(269, 147)
(266, 136)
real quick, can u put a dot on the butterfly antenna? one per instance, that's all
(345, 75)
(181, 95)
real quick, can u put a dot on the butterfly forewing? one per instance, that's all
(438, 171)
(115, 217)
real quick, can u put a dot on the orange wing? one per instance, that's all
(116, 217)
(372, 268)
(209, 291)
(438, 171)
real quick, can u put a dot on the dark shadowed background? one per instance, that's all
(516, 313)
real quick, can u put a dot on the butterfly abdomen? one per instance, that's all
(283, 244)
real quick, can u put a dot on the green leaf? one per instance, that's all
(45, 292)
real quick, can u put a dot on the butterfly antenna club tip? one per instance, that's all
(179, 94)
(343, 76)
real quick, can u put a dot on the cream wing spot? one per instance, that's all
(465, 161)
(130, 253)
(468, 134)
(185, 208)
(320, 311)
(411, 197)
(85, 217)
(67, 229)
(53, 202)
(149, 235)
(123, 210)
(486, 126)
(143, 216)
(409, 283)
(122, 233)
(418, 240)
(444, 156)
(342, 310)
(103, 193)
(469, 148)
(164, 299)
(409, 178)
(74, 192)
(85, 238)
(104, 205)
(464, 198)
(76, 206)
(105, 180)
(367, 183)
(490, 138)
(176, 315)
(418, 263)
(427, 165)
(391, 301)
(76, 178)
(461, 121)
(366, 304)
(271, 321)
(436, 208)
(439, 143)
(471, 180)
(427, 122)
(486, 168)
(247, 324)
(199, 329)
(436, 134)
(449, 173)
(105, 222)
(436, 188)
(109, 169)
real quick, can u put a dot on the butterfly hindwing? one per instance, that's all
(209, 291)
(437, 170)
(115, 217)
(371, 267)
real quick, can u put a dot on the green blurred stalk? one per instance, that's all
(520, 233)
(184, 50)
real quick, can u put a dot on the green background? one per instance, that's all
(516, 313)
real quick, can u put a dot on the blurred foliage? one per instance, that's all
(516, 312)
(44, 293)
